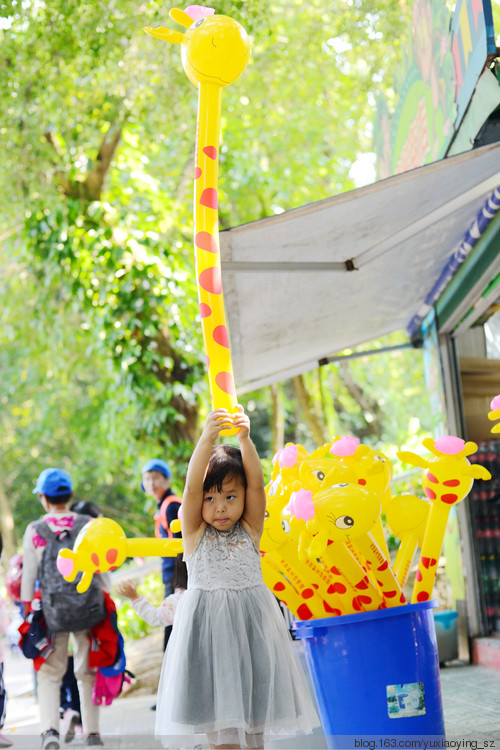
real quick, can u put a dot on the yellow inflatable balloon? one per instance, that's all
(495, 413)
(447, 478)
(215, 51)
(102, 546)
(407, 518)
(372, 469)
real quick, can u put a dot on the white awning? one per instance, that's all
(306, 284)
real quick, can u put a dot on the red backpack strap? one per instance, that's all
(163, 513)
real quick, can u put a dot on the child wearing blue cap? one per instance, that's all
(155, 482)
(59, 526)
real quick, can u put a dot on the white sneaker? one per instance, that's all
(70, 719)
(4, 741)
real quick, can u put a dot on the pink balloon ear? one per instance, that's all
(303, 507)
(288, 456)
(449, 444)
(344, 446)
(64, 566)
(198, 11)
(495, 403)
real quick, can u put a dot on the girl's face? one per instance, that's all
(223, 509)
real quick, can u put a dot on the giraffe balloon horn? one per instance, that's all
(215, 51)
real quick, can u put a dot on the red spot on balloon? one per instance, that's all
(279, 587)
(432, 478)
(422, 596)
(418, 576)
(304, 612)
(452, 483)
(94, 558)
(205, 310)
(220, 336)
(331, 610)
(402, 599)
(111, 556)
(363, 584)
(226, 383)
(359, 601)
(209, 198)
(335, 571)
(384, 565)
(114, 567)
(210, 280)
(362, 481)
(428, 562)
(337, 588)
(430, 494)
(210, 151)
(330, 541)
(307, 593)
(449, 499)
(205, 241)
(197, 173)
(315, 586)
(390, 594)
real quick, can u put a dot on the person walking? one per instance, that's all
(155, 482)
(67, 613)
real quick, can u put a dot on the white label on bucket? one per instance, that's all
(405, 700)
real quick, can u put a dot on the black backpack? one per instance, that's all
(64, 609)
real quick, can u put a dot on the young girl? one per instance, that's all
(164, 614)
(229, 670)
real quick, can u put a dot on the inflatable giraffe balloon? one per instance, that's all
(215, 51)
(447, 478)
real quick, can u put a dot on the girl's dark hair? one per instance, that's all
(225, 463)
(180, 577)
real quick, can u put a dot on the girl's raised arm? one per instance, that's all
(192, 498)
(255, 499)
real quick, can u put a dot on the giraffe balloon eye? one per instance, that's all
(197, 23)
(379, 458)
(266, 515)
(342, 484)
(319, 475)
(285, 526)
(344, 522)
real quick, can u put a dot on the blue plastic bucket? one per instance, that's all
(375, 675)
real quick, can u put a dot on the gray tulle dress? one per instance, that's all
(230, 671)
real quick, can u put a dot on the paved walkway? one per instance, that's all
(471, 700)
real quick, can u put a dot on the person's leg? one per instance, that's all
(3, 698)
(85, 678)
(255, 741)
(70, 697)
(169, 589)
(49, 680)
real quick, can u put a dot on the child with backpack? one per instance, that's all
(67, 613)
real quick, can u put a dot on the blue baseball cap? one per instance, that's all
(156, 464)
(53, 483)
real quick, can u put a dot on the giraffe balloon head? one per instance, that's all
(448, 476)
(214, 49)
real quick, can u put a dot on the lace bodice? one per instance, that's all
(224, 560)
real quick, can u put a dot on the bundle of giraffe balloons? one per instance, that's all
(323, 549)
